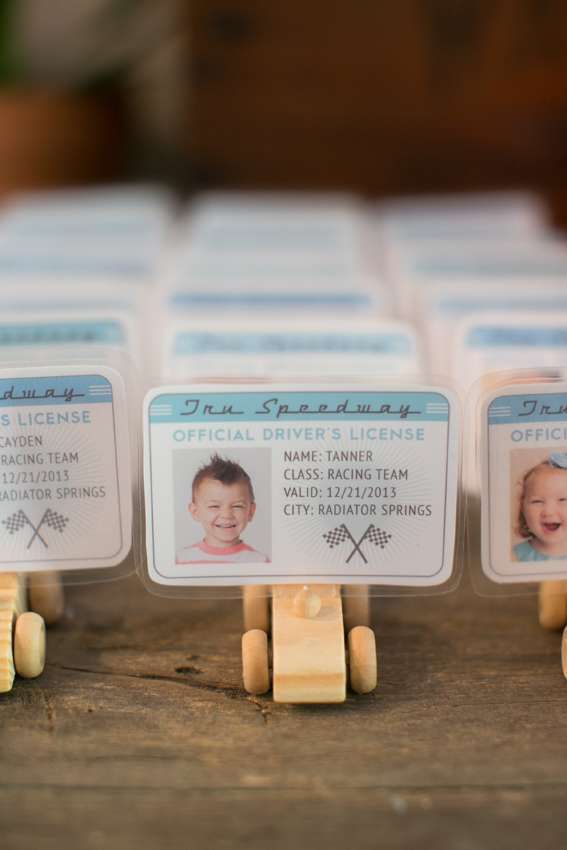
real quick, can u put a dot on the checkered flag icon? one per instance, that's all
(15, 522)
(377, 536)
(337, 536)
(55, 520)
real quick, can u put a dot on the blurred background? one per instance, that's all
(373, 96)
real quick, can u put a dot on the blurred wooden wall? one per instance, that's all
(378, 95)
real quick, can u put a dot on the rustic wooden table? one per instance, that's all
(139, 734)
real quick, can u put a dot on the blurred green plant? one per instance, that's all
(79, 44)
(8, 63)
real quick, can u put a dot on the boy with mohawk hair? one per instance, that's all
(223, 502)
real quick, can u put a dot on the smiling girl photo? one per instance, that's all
(542, 511)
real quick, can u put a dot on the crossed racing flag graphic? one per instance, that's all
(341, 533)
(52, 519)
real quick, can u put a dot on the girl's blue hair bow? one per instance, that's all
(558, 459)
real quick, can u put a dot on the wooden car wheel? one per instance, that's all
(46, 596)
(7, 669)
(255, 669)
(363, 663)
(29, 645)
(256, 608)
(553, 604)
(356, 607)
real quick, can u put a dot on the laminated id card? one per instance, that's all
(200, 348)
(524, 482)
(280, 483)
(66, 330)
(446, 310)
(65, 480)
(493, 341)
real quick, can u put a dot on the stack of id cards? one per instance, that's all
(75, 270)
(485, 280)
(279, 285)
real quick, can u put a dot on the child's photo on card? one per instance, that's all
(524, 484)
(222, 506)
(539, 511)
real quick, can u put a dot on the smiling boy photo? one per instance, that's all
(223, 503)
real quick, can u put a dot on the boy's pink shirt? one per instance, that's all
(218, 551)
(223, 550)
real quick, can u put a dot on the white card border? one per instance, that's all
(451, 490)
(122, 470)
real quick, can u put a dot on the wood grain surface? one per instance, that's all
(139, 734)
(381, 97)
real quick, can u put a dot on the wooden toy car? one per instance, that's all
(553, 612)
(308, 643)
(22, 631)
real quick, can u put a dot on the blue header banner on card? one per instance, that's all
(203, 274)
(113, 228)
(70, 332)
(505, 336)
(58, 303)
(305, 406)
(65, 390)
(307, 237)
(505, 268)
(536, 407)
(81, 266)
(268, 300)
(199, 342)
(462, 306)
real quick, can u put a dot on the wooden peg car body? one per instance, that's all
(309, 656)
(553, 612)
(22, 632)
